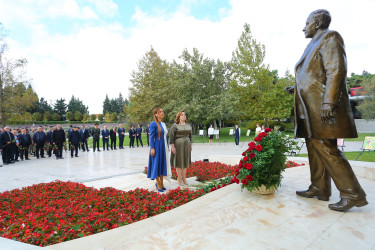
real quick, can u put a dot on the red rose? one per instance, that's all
(223, 185)
(259, 147)
(243, 154)
(232, 181)
(245, 158)
(263, 134)
(237, 181)
(240, 165)
(249, 177)
(268, 130)
(251, 144)
(237, 171)
(244, 181)
(248, 166)
(252, 155)
(258, 138)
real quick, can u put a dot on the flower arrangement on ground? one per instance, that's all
(264, 161)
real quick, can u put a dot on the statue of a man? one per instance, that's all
(323, 113)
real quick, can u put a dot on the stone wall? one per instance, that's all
(364, 126)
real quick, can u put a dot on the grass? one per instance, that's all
(366, 156)
(361, 137)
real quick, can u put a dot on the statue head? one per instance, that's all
(317, 20)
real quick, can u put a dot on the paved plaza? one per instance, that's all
(224, 219)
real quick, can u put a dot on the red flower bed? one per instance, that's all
(205, 171)
(54, 212)
(292, 164)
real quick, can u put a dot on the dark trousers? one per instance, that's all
(23, 153)
(6, 153)
(237, 140)
(131, 143)
(74, 147)
(140, 139)
(39, 150)
(49, 151)
(148, 139)
(15, 153)
(326, 162)
(84, 145)
(59, 150)
(95, 143)
(121, 142)
(105, 141)
(113, 143)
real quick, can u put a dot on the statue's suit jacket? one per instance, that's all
(320, 78)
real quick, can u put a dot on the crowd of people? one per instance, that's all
(18, 144)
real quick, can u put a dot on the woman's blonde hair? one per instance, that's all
(177, 120)
(156, 111)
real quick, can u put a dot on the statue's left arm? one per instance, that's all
(334, 62)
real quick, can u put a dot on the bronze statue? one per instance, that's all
(323, 113)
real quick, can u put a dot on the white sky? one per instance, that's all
(91, 61)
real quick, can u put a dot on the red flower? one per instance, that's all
(251, 145)
(245, 158)
(243, 154)
(268, 130)
(263, 134)
(244, 181)
(258, 138)
(237, 180)
(249, 177)
(240, 164)
(248, 166)
(259, 148)
(252, 155)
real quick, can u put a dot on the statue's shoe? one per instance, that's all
(311, 194)
(345, 204)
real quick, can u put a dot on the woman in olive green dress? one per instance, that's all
(181, 142)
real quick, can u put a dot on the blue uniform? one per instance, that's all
(157, 165)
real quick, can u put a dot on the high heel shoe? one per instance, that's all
(160, 190)
(163, 188)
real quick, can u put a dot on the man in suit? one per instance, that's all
(25, 141)
(70, 130)
(32, 146)
(323, 113)
(148, 134)
(121, 136)
(39, 140)
(15, 146)
(138, 133)
(131, 136)
(6, 141)
(74, 140)
(113, 136)
(95, 137)
(236, 135)
(105, 137)
(84, 138)
(59, 139)
(50, 141)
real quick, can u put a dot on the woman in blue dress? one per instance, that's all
(157, 163)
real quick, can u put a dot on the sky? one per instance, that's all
(88, 48)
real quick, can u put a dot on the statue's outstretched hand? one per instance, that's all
(328, 113)
(289, 89)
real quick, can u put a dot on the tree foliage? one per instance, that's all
(115, 105)
(75, 104)
(357, 80)
(60, 107)
(367, 106)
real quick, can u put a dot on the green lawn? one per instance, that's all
(366, 156)
(126, 141)
(361, 137)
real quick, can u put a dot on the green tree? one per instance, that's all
(69, 116)
(56, 117)
(367, 106)
(114, 117)
(43, 106)
(106, 105)
(100, 117)
(92, 117)
(37, 116)
(151, 87)
(47, 116)
(85, 117)
(78, 116)
(108, 117)
(75, 104)
(356, 80)
(27, 117)
(60, 107)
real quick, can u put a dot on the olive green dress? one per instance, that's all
(181, 137)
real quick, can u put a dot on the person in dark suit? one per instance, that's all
(74, 140)
(6, 141)
(84, 138)
(59, 139)
(50, 141)
(323, 113)
(95, 137)
(131, 137)
(113, 136)
(39, 140)
(70, 130)
(25, 141)
(237, 135)
(148, 134)
(15, 146)
(105, 137)
(138, 134)
(121, 136)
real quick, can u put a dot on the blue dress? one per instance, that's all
(157, 165)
